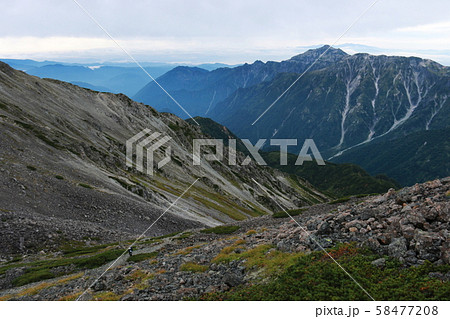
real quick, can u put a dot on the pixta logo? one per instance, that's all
(217, 144)
(145, 144)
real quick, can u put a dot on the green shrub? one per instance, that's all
(59, 177)
(97, 260)
(315, 276)
(340, 200)
(42, 269)
(221, 230)
(34, 276)
(174, 126)
(31, 168)
(193, 267)
(184, 236)
(292, 212)
(85, 185)
(83, 250)
(141, 257)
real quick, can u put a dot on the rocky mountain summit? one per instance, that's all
(400, 233)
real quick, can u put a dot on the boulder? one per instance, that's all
(398, 247)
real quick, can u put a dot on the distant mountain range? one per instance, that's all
(342, 102)
(200, 91)
(124, 78)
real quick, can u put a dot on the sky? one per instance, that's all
(199, 31)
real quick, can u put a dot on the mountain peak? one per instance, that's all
(332, 54)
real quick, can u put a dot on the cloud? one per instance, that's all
(430, 29)
(224, 31)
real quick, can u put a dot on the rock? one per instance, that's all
(406, 209)
(353, 229)
(99, 285)
(384, 239)
(373, 243)
(428, 245)
(379, 200)
(367, 214)
(380, 262)
(130, 297)
(440, 276)
(398, 247)
(407, 231)
(232, 280)
(416, 218)
(324, 228)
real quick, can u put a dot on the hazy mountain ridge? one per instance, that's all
(200, 92)
(359, 99)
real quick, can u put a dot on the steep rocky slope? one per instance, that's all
(408, 256)
(63, 175)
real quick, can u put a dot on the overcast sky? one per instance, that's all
(220, 31)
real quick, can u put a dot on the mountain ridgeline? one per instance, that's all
(199, 91)
(342, 102)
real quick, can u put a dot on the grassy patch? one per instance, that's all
(106, 296)
(174, 127)
(315, 276)
(15, 259)
(83, 250)
(140, 278)
(292, 212)
(121, 182)
(97, 260)
(6, 297)
(228, 254)
(184, 235)
(37, 288)
(59, 177)
(41, 270)
(221, 230)
(166, 236)
(33, 276)
(193, 267)
(188, 250)
(85, 185)
(340, 200)
(71, 297)
(141, 257)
